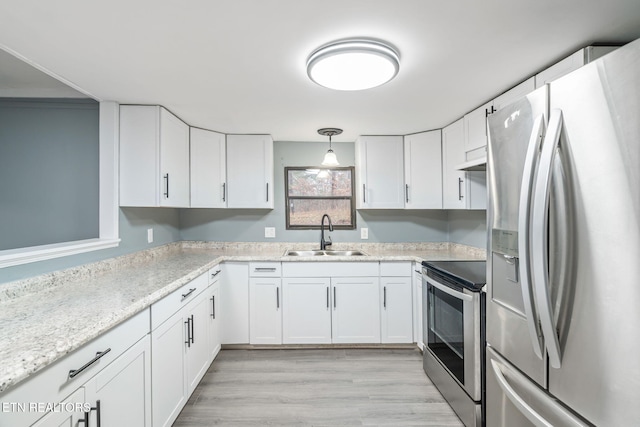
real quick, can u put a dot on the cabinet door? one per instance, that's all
(168, 380)
(249, 171)
(397, 310)
(123, 389)
(380, 169)
(355, 310)
(214, 320)
(417, 305)
(265, 310)
(306, 312)
(423, 170)
(139, 155)
(453, 180)
(234, 313)
(64, 418)
(198, 358)
(174, 160)
(208, 169)
(514, 93)
(475, 128)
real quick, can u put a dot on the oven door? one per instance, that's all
(452, 332)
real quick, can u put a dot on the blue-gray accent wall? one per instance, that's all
(49, 179)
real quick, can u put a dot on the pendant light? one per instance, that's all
(330, 158)
(353, 64)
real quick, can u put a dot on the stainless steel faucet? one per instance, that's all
(323, 242)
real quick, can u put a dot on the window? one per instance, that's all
(312, 192)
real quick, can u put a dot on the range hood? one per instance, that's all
(479, 164)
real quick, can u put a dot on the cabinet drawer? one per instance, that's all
(265, 269)
(163, 309)
(330, 269)
(54, 383)
(214, 273)
(395, 269)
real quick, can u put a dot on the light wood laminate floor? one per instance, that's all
(317, 387)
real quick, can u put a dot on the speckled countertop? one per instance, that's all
(46, 317)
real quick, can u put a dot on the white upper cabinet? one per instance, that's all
(571, 63)
(453, 180)
(514, 93)
(475, 128)
(423, 170)
(208, 169)
(249, 171)
(154, 157)
(380, 172)
(461, 190)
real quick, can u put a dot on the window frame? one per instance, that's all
(351, 198)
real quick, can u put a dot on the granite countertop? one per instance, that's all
(46, 317)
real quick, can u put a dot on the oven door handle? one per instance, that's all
(447, 290)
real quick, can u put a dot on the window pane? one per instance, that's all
(319, 183)
(309, 212)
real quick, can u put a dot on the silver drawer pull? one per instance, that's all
(75, 372)
(192, 290)
(215, 274)
(272, 269)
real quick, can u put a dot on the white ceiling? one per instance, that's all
(238, 66)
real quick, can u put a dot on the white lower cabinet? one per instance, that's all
(181, 347)
(306, 312)
(64, 418)
(397, 310)
(355, 310)
(234, 291)
(215, 334)
(265, 310)
(119, 393)
(417, 305)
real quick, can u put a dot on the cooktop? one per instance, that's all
(469, 274)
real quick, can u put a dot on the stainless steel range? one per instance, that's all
(454, 333)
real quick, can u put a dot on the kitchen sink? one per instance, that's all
(319, 252)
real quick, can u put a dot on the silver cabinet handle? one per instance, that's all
(277, 298)
(539, 239)
(215, 273)
(267, 191)
(185, 296)
(96, 408)
(384, 303)
(74, 372)
(334, 297)
(327, 298)
(364, 193)
(213, 306)
(406, 191)
(265, 269)
(166, 185)
(460, 181)
(224, 191)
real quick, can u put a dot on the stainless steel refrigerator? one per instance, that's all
(563, 271)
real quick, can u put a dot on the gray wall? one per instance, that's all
(239, 225)
(134, 223)
(468, 227)
(49, 160)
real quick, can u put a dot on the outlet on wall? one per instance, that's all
(364, 233)
(270, 232)
(149, 235)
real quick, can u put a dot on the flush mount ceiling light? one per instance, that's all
(353, 64)
(330, 158)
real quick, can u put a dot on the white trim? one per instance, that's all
(19, 256)
(108, 201)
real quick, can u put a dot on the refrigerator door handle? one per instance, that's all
(553, 413)
(539, 237)
(524, 234)
(518, 401)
